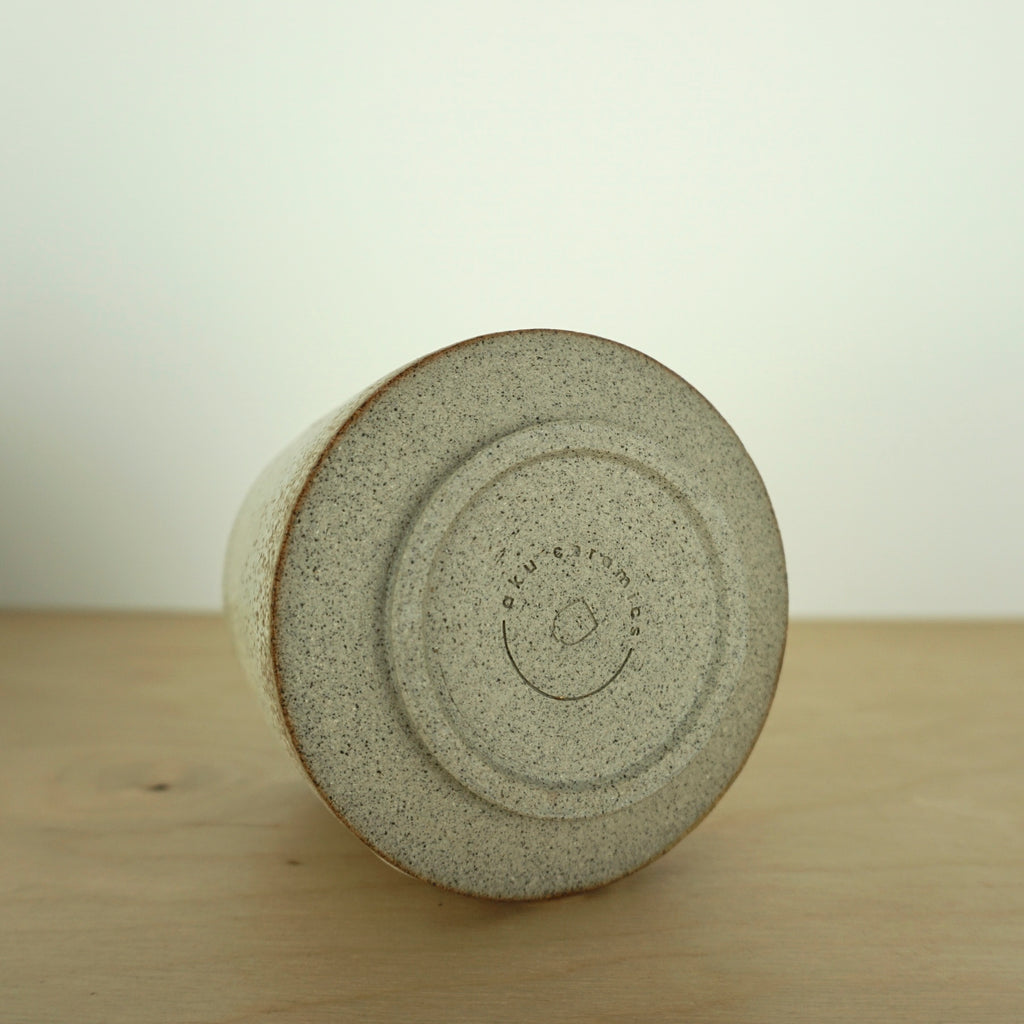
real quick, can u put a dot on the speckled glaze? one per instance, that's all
(518, 611)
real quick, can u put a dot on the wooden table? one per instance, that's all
(162, 860)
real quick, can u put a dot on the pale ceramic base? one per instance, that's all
(519, 611)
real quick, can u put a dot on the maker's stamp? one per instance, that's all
(570, 620)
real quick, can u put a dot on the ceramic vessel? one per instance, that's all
(518, 611)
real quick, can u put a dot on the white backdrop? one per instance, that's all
(219, 219)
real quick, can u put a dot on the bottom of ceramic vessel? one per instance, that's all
(529, 614)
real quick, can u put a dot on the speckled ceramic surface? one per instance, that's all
(518, 611)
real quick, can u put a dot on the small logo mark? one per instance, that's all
(575, 622)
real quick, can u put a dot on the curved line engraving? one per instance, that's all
(534, 686)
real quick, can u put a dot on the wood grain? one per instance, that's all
(161, 860)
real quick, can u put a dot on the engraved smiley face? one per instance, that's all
(582, 647)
